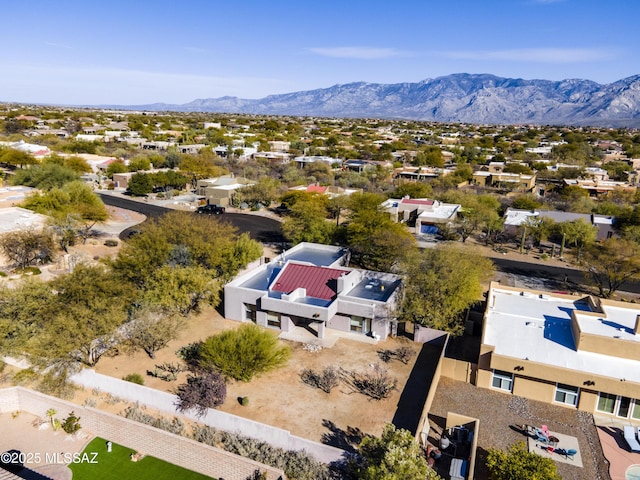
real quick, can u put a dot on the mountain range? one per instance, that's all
(460, 98)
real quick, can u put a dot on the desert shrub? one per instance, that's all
(243, 353)
(244, 401)
(110, 242)
(377, 384)
(297, 465)
(134, 378)
(71, 424)
(404, 354)
(257, 475)
(325, 380)
(90, 402)
(30, 271)
(175, 425)
(201, 392)
(190, 354)
(56, 384)
(24, 376)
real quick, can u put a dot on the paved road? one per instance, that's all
(559, 278)
(263, 229)
(268, 230)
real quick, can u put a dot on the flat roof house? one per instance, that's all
(576, 351)
(428, 214)
(310, 286)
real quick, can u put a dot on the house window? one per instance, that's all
(624, 405)
(273, 319)
(606, 402)
(250, 312)
(635, 412)
(502, 380)
(567, 394)
(359, 324)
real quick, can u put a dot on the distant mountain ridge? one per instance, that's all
(464, 98)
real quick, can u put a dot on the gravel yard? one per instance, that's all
(499, 415)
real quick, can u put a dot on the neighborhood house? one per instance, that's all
(577, 351)
(310, 286)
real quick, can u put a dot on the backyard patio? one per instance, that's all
(501, 420)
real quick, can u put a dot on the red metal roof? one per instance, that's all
(320, 282)
(417, 202)
(316, 189)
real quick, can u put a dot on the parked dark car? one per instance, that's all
(210, 209)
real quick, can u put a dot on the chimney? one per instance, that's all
(637, 329)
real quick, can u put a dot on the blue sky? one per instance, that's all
(136, 52)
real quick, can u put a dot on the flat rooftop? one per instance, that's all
(316, 256)
(537, 327)
(374, 289)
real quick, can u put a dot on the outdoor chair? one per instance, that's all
(630, 438)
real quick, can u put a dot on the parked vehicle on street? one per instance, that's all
(210, 209)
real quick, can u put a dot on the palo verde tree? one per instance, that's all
(180, 240)
(611, 263)
(441, 284)
(376, 241)
(75, 202)
(87, 307)
(307, 221)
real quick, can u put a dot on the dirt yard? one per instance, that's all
(279, 398)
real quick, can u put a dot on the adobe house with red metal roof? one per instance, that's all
(311, 286)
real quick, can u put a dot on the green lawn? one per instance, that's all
(117, 465)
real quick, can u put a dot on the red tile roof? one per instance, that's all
(316, 189)
(320, 282)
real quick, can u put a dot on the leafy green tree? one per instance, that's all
(430, 156)
(577, 233)
(517, 168)
(243, 353)
(46, 177)
(182, 289)
(412, 190)
(23, 312)
(139, 163)
(89, 305)
(441, 284)
(611, 263)
(307, 222)
(151, 329)
(396, 455)
(116, 167)
(539, 228)
(518, 463)
(263, 192)
(140, 184)
(17, 158)
(526, 202)
(376, 241)
(177, 239)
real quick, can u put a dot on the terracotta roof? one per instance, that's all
(320, 282)
(316, 189)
